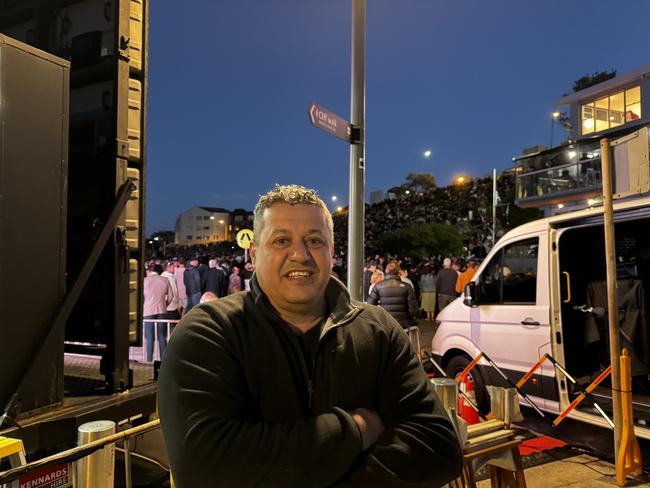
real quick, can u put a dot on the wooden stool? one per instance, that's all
(499, 477)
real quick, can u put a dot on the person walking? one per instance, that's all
(192, 280)
(466, 276)
(173, 309)
(370, 269)
(245, 276)
(395, 296)
(215, 279)
(180, 285)
(234, 282)
(158, 295)
(428, 292)
(446, 284)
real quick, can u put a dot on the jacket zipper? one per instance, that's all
(310, 393)
(310, 375)
(310, 371)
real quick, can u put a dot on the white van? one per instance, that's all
(529, 297)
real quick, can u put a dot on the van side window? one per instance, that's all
(491, 282)
(511, 275)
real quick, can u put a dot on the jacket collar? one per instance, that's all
(340, 308)
(392, 277)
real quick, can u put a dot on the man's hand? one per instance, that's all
(370, 425)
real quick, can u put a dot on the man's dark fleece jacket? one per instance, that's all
(240, 405)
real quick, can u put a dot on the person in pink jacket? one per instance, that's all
(158, 294)
(234, 282)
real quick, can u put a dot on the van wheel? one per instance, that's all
(456, 365)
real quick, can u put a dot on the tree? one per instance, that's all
(423, 241)
(420, 182)
(593, 79)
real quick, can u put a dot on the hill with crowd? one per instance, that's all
(466, 207)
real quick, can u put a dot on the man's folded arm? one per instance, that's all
(419, 445)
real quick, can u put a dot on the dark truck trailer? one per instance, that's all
(34, 87)
(72, 262)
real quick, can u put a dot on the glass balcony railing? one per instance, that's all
(568, 178)
(571, 173)
(573, 170)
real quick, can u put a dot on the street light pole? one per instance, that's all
(495, 197)
(357, 153)
(554, 117)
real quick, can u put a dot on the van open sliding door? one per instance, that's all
(582, 299)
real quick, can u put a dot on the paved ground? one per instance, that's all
(578, 471)
(426, 334)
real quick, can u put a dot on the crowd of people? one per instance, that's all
(470, 203)
(411, 290)
(174, 285)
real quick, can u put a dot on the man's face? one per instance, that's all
(293, 257)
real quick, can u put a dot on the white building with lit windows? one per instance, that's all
(202, 225)
(569, 176)
(609, 106)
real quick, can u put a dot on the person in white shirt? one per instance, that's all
(180, 284)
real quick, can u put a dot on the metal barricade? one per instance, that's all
(139, 353)
(81, 452)
(414, 336)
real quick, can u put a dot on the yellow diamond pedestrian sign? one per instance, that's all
(244, 238)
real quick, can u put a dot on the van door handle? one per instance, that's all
(529, 321)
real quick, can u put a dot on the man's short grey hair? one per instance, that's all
(446, 263)
(292, 195)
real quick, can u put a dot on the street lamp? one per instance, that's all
(158, 239)
(334, 198)
(426, 154)
(460, 180)
(554, 117)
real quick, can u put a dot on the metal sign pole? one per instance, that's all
(494, 207)
(612, 305)
(357, 154)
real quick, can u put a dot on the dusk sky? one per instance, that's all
(230, 82)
